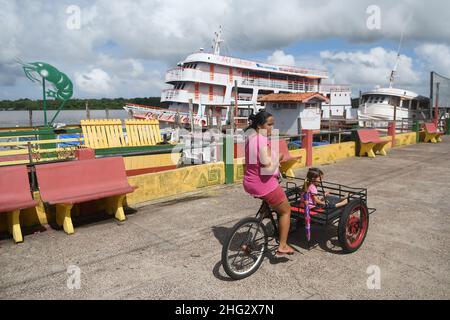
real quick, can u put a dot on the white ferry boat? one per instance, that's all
(213, 83)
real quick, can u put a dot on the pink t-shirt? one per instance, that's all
(312, 190)
(258, 181)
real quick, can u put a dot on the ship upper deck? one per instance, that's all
(255, 65)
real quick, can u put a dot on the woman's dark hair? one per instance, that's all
(258, 119)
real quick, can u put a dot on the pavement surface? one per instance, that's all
(171, 249)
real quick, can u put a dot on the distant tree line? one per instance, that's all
(78, 104)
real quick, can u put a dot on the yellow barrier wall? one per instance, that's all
(151, 161)
(168, 183)
(402, 139)
(333, 152)
(299, 153)
(239, 169)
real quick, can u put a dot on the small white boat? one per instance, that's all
(390, 104)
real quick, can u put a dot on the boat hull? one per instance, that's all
(380, 114)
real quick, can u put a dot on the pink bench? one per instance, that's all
(67, 183)
(15, 195)
(431, 133)
(371, 143)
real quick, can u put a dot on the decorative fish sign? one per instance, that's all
(61, 86)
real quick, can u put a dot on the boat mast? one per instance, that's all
(217, 41)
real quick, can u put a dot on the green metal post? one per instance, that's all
(354, 137)
(416, 129)
(44, 103)
(447, 126)
(47, 133)
(228, 157)
(57, 112)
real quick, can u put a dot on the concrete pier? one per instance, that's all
(170, 249)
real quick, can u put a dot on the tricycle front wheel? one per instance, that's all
(353, 226)
(243, 250)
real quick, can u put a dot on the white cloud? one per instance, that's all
(436, 57)
(364, 69)
(96, 81)
(280, 58)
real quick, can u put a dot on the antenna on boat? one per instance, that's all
(217, 41)
(394, 71)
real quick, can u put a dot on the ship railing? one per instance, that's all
(280, 84)
(185, 95)
(334, 88)
(196, 75)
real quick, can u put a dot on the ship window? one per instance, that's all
(275, 106)
(290, 106)
(244, 112)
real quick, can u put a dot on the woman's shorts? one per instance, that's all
(275, 197)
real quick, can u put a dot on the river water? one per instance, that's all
(21, 118)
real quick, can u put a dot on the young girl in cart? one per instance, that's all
(313, 180)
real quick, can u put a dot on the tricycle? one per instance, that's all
(247, 244)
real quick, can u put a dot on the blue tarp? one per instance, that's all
(298, 144)
(71, 143)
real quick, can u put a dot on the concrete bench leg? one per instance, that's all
(381, 148)
(114, 207)
(14, 226)
(367, 148)
(63, 218)
(430, 137)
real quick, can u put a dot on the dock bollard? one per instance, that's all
(392, 131)
(307, 141)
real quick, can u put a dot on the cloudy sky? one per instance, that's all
(123, 48)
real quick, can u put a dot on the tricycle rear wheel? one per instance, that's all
(353, 226)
